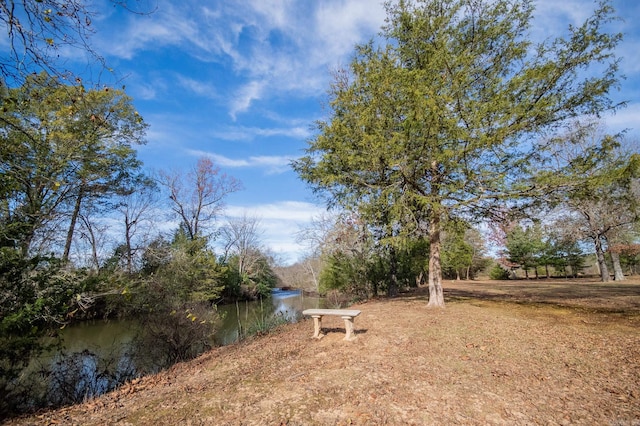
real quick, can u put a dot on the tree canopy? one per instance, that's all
(62, 146)
(597, 182)
(445, 119)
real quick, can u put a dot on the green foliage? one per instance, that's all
(62, 147)
(262, 324)
(457, 254)
(342, 273)
(597, 181)
(498, 273)
(565, 255)
(366, 274)
(156, 254)
(442, 120)
(37, 295)
(525, 246)
(253, 280)
(175, 301)
(185, 271)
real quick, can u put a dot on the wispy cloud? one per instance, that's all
(200, 88)
(241, 100)
(248, 133)
(272, 163)
(626, 119)
(297, 211)
(274, 46)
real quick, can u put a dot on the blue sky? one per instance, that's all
(243, 81)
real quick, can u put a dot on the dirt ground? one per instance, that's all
(516, 353)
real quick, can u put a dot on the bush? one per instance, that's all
(169, 337)
(498, 273)
(36, 295)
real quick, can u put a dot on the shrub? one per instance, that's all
(498, 273)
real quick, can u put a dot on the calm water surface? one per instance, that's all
(105, 337)
(93, 342)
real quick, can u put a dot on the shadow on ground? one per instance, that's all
(613, 297)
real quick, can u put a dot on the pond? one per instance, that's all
(98, 355)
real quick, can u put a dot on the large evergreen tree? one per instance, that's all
(444, 119)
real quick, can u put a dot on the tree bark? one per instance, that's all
(127, 237)
(72, 225)
(93, 240)
(393, 274)
(602, 265)
(436, 296)
(618, 275)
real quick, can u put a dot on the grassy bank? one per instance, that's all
(526, 352)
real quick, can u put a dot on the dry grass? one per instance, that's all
(527, 352)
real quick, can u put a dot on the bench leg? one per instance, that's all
(317, 326)
(348, 325)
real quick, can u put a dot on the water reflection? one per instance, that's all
(99, 355)
(288, 304)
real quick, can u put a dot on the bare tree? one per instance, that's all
(136, 209)
(302, 274)
(600, 186)
(93, 233)
(316, 237)
(36, 31)
(241, 237)
(197, 198)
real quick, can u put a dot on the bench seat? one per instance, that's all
(346, 314)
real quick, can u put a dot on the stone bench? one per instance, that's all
(347, 315)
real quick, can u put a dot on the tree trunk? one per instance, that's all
(393, 274)
(316, 285)
(127, 237)
(546, 269)
(602, 265)
(91, 236)
(72, 225)
(436, 296)
(618, 275)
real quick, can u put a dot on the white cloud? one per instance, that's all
(249, 133)
(340, 25)
(274, 46)
(297, 211)
(628, 51)
(241, 100)
(626, 119)
(272, 163)
(197, 87)
(171, 24)
(279, 223)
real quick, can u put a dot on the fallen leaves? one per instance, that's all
(481, 361)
